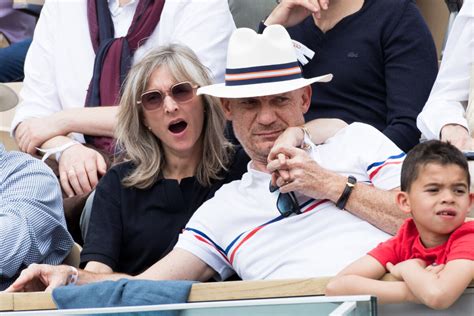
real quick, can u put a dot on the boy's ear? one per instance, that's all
(471, 199)
(403, 202)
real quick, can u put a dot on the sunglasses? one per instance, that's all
(286, 202)
(181, 92)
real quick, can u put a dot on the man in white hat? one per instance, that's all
(32, 224)
(319, 213)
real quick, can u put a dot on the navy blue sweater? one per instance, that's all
(384, 63)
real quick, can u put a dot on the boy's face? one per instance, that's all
(438, 200)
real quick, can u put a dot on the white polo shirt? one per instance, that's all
(241, 230)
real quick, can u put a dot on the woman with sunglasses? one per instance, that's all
(176, 158)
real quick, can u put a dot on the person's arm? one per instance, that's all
(375, 204)
(32, 224)
(40, 132)
(319, 131)
(437, 291)
(450, 93)
(177, 265)
(291, 12)
(410, 69)
(98, 267)
(362, 277)
(306, 176)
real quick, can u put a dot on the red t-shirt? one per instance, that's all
(407, 245)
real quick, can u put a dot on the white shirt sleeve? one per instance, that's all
(203, 25)
(201, 236)
(448, 99)
(39, 93)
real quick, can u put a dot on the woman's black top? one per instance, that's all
(130, 229)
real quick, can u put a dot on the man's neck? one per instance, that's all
(259, 165)
(338, 9)
(123, 3)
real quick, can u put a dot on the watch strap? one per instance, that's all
(350, 184)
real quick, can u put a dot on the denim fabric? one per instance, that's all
(12, 59)
(123, 293)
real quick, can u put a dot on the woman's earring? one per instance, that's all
(149, 128)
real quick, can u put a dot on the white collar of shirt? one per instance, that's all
(122, 16)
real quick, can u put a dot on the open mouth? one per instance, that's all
(177, 127)
(446, 213)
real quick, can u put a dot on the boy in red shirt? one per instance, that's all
(432, 255)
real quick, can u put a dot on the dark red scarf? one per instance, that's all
(114, 55)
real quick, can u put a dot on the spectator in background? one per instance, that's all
(75, 40)
(444, 114)
(382, 56)
(16, 31)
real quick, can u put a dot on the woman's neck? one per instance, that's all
(338, 9)
(180, 165)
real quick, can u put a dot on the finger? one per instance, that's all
(74, 181)
(101, 165)
(273, 165)
(27, 275)
(65, 184)
(84, 182)
(324, 4)
(274, 178)
(389, 266)
(31, 148)
(285, 175)
(281, 159)
(91, 170)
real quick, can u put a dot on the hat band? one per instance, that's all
(262, 74)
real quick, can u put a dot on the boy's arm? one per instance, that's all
(362, 277)
(438, 291)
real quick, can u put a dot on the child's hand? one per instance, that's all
(397, 270)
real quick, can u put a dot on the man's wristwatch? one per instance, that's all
(342, 201)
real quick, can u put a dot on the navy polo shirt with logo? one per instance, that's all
(384, 63)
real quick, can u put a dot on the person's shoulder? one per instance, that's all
(15, 162)
(355, 130)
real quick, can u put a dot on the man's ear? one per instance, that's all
(226, 107)
(403, 202)
(306, 96)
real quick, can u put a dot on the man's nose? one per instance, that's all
(266, 115)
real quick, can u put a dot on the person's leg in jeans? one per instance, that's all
(12, 59)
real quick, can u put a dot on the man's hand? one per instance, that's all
(79, 169)
(291, 12)
(458, 136)
(397, 270)
(303, 174)
(33, 132)
(40, 277)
